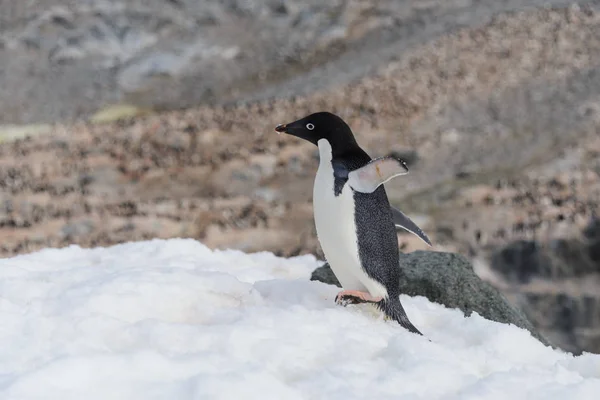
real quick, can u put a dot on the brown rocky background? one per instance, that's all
(129, 120)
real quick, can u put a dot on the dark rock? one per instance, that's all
(569, 320)
(449, 279)
(462, 174)
(522, 260)
(594, 253)
(519, 261)
(559, 306)
(592, 230)
(592, 234)
(325, 274)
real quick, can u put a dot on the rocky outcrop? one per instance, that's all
(524, 260)
(556, 284)
(449, 279)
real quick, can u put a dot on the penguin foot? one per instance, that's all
(346, 297)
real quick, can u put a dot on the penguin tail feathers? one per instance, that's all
(393, 309)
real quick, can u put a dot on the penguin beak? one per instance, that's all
(296, 129)
(280, 128)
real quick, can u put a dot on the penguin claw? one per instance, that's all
(347, 300)
(342, 302)
(347, 297)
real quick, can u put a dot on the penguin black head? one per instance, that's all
(322, 125)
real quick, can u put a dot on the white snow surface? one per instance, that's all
(175, 320)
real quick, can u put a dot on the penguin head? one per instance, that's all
(322, 125)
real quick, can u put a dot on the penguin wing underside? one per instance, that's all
(401, 220)
(377, 172)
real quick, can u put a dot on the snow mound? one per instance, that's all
(175, 320)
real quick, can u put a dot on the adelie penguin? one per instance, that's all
(356, 225)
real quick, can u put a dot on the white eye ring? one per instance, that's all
(310, 126)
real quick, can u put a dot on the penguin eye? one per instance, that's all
(310, 126)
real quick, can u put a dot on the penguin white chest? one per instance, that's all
(335, 223)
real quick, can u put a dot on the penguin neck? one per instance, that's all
(325, 151)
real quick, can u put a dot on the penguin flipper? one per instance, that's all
(378, 171)
(401, 220)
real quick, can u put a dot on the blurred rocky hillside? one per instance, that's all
(495, 105)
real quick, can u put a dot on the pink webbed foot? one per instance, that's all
(346, 297)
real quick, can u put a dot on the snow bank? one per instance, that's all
(175, 320)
